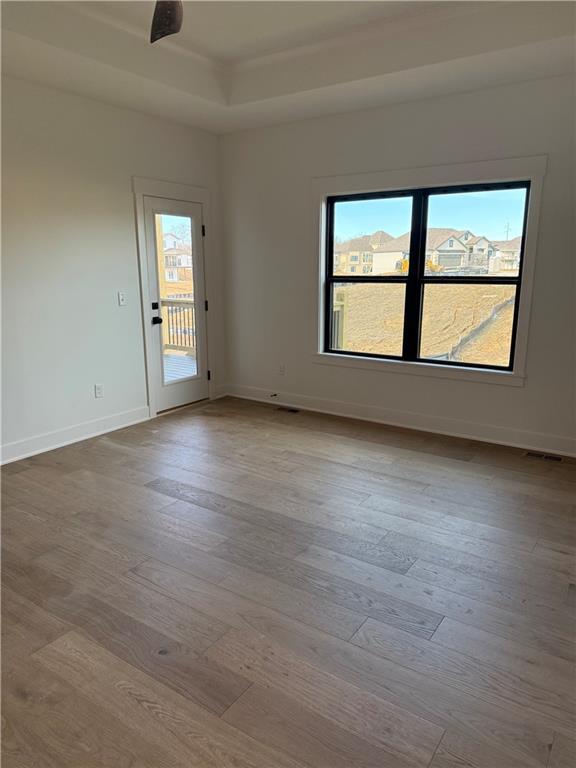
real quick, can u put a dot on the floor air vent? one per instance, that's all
(287, 410)
(543, 456)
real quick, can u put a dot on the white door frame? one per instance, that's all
(182, 192)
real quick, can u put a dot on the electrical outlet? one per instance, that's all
(121, 298)
(282, 369)
(98, 390)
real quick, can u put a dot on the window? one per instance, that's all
(419, 303)
(171, 275)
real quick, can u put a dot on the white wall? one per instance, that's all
(69, 245)
(269, 250)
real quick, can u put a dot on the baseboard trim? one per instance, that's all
(486, 433)
(21, 449)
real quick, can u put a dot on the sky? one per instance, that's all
(497, 214)
(177, 225)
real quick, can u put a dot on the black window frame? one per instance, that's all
(416, 279)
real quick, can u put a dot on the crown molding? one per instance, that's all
(382, 49)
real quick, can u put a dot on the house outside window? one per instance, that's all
(425, 304)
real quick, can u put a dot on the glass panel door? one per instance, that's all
(176, 345)
(176, 289)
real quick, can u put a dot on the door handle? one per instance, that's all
(156, 320)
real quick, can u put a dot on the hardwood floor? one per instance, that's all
(238, 586)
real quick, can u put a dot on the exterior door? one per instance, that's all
(176, 347)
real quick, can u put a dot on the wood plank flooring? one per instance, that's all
(237, 586)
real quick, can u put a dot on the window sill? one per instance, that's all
(480, 376)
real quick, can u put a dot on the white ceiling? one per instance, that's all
(241, 64)
(234, 31)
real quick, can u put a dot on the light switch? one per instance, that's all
(121, 299)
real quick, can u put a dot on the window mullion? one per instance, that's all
(328, 275)
(412, 307)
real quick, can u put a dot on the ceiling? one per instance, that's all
(235, 31)
(241, 64)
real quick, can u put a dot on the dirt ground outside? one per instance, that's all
(468, 323)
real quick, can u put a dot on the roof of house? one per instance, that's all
(355, 244)
(178, 251)
(396, 244)
(438, 235)
(476, 239)
(435, 237)
(509, 245)
(363, 243)
(379, 238)
(382, 242)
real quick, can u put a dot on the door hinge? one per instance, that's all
(203, 231)
(206, 305)
(209, 375)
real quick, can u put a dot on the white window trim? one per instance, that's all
(490, 171)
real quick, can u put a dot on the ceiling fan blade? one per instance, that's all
(167, 19)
